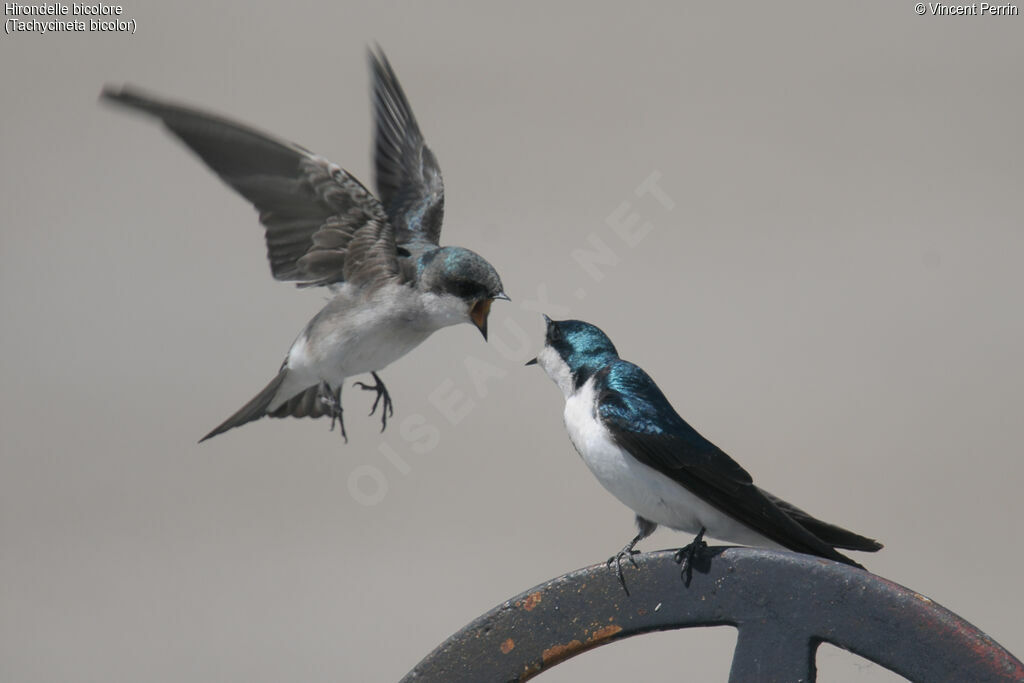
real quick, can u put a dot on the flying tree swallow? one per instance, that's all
(652, 460)
(392, 285)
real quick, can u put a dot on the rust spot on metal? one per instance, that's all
(985, 649)
(508, 646)
(532, 601)
(603, 633)
(557, 653)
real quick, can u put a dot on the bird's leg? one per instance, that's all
(627, 552)
(387, 408)
(333, 402)
(646, 529)
(687, 555)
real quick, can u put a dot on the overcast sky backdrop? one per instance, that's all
(829, 288)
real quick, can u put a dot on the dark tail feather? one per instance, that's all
(838, 537)
(253, 410)
(835, 536)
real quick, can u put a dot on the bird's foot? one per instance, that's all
(686, 556)
(387, 407)
(332, 400)
(627, 552)
(616, 559)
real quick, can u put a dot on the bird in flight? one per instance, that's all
(392, 284)
(654, 462)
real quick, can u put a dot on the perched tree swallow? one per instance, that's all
(392, 285)
(653, 461)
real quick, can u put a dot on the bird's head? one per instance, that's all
(464, 278)
(573, 351)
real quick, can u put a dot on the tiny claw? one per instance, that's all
(629, 554)
(333, 402)
(687, 555)
(617, 560)
(388, 406)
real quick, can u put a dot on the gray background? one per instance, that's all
(834, 299)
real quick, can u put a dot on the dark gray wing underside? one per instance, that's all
(310, 208)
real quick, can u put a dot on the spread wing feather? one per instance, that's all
(311, 209)
(408, 177)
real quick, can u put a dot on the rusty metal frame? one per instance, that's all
(783, 605)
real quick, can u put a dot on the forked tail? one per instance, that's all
(253, 410)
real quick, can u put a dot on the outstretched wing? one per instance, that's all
(408, 178)
(311, 209)
(641, 421)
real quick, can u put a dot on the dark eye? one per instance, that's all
(466, 290)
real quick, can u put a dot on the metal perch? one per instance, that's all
(783, 605)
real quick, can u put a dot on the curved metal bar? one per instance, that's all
(783, 604)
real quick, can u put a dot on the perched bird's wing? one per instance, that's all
(641, 421)
(835, 536)
(311, 208)
(408, 178)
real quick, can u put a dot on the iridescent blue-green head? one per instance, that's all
(464, 282)
(573, 351)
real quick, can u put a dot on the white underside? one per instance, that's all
(359, 332)
(646, 491)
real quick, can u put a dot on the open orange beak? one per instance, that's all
(478, 314)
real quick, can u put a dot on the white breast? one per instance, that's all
(359, 332)
(646, 491)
